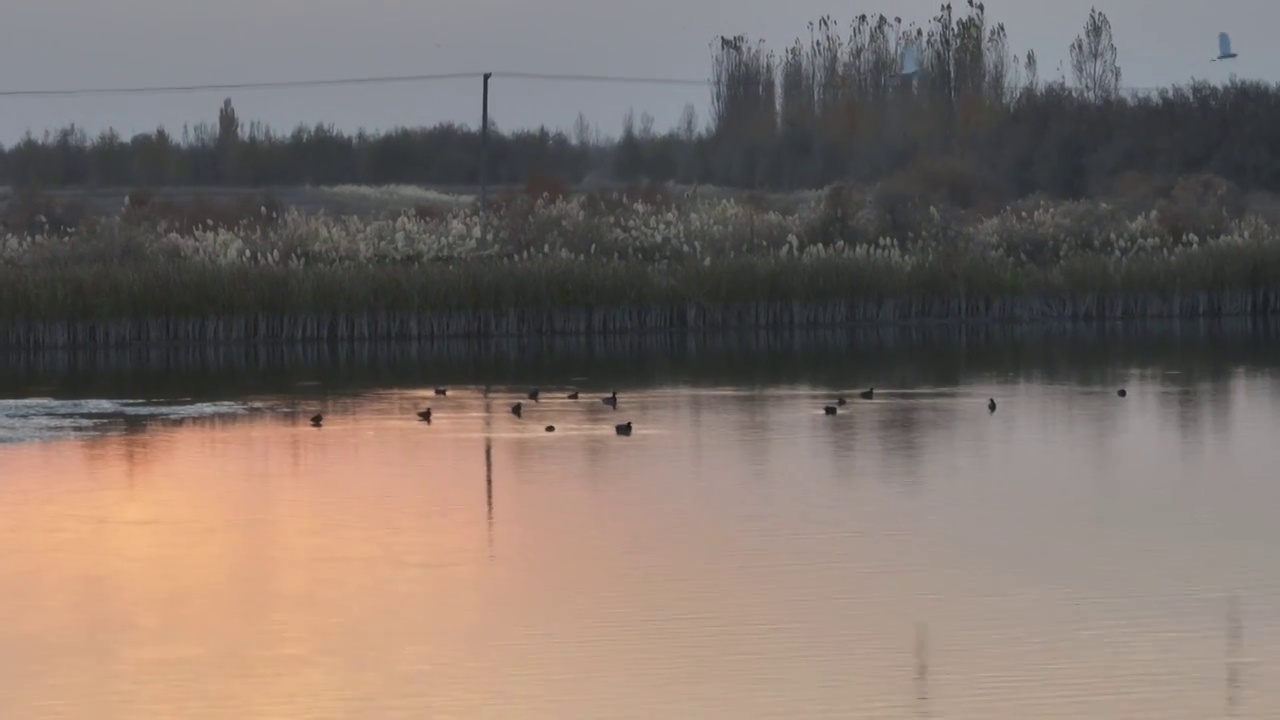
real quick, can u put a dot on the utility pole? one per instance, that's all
(484, 146)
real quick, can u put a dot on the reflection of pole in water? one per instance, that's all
(1235, 654)
(488, 471)
(922, 661)
(488, 478)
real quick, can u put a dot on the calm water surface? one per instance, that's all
(741, 555)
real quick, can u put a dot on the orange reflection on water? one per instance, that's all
(740, 556)
(246, 566)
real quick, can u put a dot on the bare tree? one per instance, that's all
(688, 127)
(1000, 65)
(582, 132)
(228, 123)
(228, 142)
(743, 89)
(1093, 59)
(646, 126)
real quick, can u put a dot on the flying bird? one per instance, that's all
(1224, 48)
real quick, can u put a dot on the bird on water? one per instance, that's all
(425, 415)
(1121, 392)
(841, 401)
(316, 420)
(991, 404)
(866, 394)
(829, 409)
(623, 429)
(612, 400)
(517, 409)
(573, 395)
(441, 391)
(533, 394)
(551, 428)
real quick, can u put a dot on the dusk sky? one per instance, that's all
(58, 44)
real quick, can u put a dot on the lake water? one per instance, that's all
(178, 542)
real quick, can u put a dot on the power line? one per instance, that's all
(377, 79)
(602, 78)
(381, 79)
(157, 89)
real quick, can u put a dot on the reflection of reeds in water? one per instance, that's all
(280, 356)
(1234, 656)
(776, 316)
(764, 318)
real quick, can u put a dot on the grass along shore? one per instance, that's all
(609, 264)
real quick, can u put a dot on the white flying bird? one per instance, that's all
(1224, 47)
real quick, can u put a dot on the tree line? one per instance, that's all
(946, 108)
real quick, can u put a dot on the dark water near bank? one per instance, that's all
(178, 542)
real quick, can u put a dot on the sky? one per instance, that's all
(60, 44)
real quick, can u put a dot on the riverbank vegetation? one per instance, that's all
(835, 183)
(980, 121)
(538, 264)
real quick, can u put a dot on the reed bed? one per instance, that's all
(398, 194)
(609, 265)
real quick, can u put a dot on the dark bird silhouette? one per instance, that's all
(829, 409)
(425, 415)
(1121, 392)
(551, 428)
(866, 394)
(533, 394)
(517, 409)
(573, 395)
(991, 404)
(623, 429)
(442, 391)
(317, 419)
(841, 402)
(612, 400)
